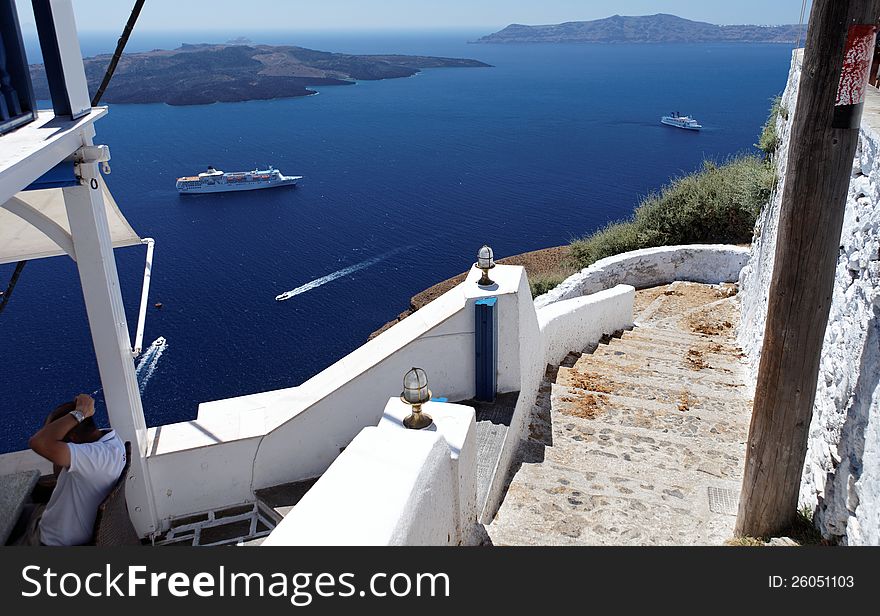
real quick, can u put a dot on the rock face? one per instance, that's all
(841, 477)
(660, 28)
(206, 73)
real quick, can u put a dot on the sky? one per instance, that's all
(491, 15)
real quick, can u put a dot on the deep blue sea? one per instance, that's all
(404, 181)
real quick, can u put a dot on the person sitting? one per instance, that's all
(88, 462)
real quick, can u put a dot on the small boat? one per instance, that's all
(679, 121)
(214, 181)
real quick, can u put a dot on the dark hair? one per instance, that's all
(85, 430)
(82, 431)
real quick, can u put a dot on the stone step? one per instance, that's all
(575, 440)
(620, 366)
(552, 479)
(725, 425)
(615, 479)
(550, 504)
(671, 348)
(540, 427)
(673, 337)
(686, 395)
(629, 438)
(733, 408)
(695, 358)
(673, 328)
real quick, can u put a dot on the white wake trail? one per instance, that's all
(320, 282)
(149, 361)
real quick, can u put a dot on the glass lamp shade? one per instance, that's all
(485, 258)
(415, 387)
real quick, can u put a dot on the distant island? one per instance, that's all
(660, 28)
(240, 71)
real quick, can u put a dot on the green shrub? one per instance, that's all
(544, 283)
(769, 140)
(716, 205)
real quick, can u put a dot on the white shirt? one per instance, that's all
(69, 518)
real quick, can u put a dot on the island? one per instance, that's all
(239, 71)
(660, 28)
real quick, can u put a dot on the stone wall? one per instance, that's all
(841, 477)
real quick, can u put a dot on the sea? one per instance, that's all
(404, 180)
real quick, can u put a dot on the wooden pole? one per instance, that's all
(823, 142)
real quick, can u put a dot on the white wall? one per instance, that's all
(388, 488)
(20, 461)
(529, 353)
(574, 324)
(651, 267)
(841, 476)
(239, 445)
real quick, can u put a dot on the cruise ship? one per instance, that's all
(679, 121)
(215, 181)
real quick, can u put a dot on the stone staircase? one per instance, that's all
(641, 440)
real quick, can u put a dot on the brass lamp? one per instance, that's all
(416, 393)
(485, 262)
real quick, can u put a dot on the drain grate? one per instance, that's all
(723, 501)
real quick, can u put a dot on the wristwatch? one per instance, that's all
(78, 415)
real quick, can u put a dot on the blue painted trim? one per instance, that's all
(59, 176)
(486, 349)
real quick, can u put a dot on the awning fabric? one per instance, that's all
(21, 241)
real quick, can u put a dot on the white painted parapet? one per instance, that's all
(457, 425)
(239, 445)
(20, 461)
(574, 324)
(388, 488)
(651, 267)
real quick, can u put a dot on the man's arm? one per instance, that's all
(49, 442)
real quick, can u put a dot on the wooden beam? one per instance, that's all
(823, 143)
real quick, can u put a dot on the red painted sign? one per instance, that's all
(856, 64)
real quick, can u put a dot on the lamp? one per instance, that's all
(485, 262)
(416, 393)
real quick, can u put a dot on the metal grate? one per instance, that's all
(224, 527)
(723, 501)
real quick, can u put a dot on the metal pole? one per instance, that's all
(145, 295)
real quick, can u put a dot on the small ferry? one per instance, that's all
(215, 181)
(679, 121)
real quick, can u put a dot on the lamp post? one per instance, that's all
(416, 393)
(485, 262)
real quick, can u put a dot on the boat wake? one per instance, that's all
(320, 282)
(148, 362)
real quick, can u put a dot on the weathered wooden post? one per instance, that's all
(837, 61)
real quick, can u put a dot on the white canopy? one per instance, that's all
(21, 239)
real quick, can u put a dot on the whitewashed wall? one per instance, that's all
(239, 445)
(651, 267)
(574, 324)
(529, 354)
(841, 477)
(388, 488)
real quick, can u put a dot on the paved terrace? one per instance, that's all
(640, 441)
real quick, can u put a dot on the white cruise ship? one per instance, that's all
(215, 181)
(679, 121)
